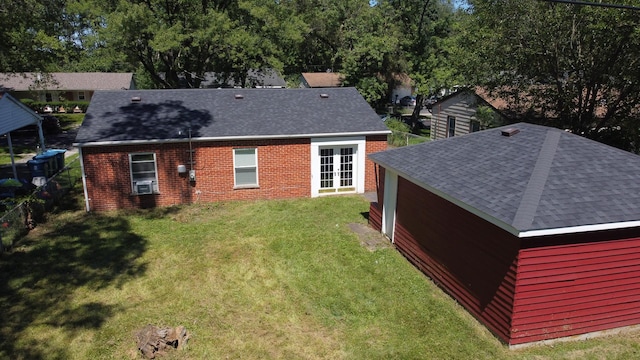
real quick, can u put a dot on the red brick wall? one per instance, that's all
(283, 172)
(374, 144)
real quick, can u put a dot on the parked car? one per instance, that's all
(408, 101)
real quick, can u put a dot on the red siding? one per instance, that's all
(524, 290)
(573, 289)
(283, 172)
(375, 208)
(474, 261)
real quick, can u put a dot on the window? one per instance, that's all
(80, 95)
(144, 173)
(245, 162)
(474, 126)
(48, 97)
(451, 126)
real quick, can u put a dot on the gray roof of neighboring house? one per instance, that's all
(534, 181)
(166, 115)
(255, 78)
(66, 81)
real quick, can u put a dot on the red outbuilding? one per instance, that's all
(534, 230)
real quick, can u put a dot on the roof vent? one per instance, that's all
(239, 96)
(136, 99)
(324, 96)
(510, 132)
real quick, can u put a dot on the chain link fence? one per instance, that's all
(24, 213)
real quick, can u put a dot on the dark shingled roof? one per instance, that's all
(160, 115)
(540, 178)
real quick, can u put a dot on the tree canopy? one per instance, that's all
(568, 65)
(565, 65)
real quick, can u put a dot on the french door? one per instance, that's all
(337, 169)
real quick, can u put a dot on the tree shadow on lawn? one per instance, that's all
(39, 278)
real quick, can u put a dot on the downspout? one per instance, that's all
(84, 181)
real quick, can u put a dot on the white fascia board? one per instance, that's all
(231, 138)
(579, 229)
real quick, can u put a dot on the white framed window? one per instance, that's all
(245, 165)
(144, 173)
(81, 95)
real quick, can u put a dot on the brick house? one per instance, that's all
(146, 148)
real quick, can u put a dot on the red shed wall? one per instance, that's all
(375, 207)
(471, 259)
(283, 172)
(577, 284)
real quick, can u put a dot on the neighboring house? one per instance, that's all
(13, 116)
(144, 148)
(259, 79)
(53, 87)
(320, 80)
(534, 230)
(456, 114)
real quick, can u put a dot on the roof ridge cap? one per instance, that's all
(533, 192)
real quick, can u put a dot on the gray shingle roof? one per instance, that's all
(218, 114)
(540, 178)
(66, 81)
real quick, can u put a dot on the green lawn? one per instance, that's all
(249, 280)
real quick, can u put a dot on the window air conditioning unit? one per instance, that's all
(144, 187)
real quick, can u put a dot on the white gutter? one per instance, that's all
(230, 138)
(84, 182)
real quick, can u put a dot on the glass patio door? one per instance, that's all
(337, 169)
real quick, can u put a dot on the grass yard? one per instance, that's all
(249, 280)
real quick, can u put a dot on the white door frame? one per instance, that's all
(389, 203)
(359, 145)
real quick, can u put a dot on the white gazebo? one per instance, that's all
(15, 115)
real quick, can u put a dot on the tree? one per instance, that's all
(370, 52)
(29, 35)
(427, 26)
(177, 42)
(566, 65)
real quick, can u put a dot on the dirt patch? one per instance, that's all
(370, 238)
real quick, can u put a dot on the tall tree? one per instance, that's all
(370, 52)
(29, 35)
(177, 41)
(571, 66)
(428, 25)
